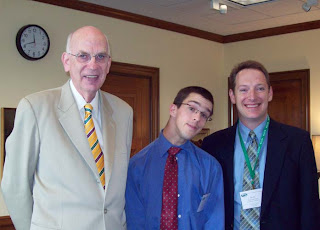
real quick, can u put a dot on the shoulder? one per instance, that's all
(218, 137)
(288, 130)
(49, 94)
(142, 155)
(204, 157)
(40, 100)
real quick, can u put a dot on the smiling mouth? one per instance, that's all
(252, 106)
(91, 76)
(192, 127)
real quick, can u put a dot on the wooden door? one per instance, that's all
(291, 95)
(139, 87)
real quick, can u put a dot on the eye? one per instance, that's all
(100, 56)
(83, 56)
(192, 109)
(204, 116)
(243, 90)
(261, 88)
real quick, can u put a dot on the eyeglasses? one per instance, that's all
(193, 110)
(85, 57)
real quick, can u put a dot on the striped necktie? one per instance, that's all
(94, 143)
(250, 218)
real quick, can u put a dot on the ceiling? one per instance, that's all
(198, 14)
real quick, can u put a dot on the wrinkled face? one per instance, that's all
(87, 77)
(190, 119)
(251, 96)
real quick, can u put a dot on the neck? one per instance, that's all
(172, 137)
(252, 124)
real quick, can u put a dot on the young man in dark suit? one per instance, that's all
(269, 169)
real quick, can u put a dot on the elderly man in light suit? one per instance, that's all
(50, 178)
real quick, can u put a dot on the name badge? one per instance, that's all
(251, 198)
(203, 201)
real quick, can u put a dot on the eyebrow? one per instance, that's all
(200, 105)
(101, 52)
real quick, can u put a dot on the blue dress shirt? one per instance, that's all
(198, 174)
(239, 162)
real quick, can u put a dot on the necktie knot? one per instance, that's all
(88, 108)
(252, 135)
(173, 151)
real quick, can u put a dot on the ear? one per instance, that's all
(232, 97)
(173, 110)
(270, 94)
(65, 58)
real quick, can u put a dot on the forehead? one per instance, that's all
(89, 41)
(199, 100)
(250, 76)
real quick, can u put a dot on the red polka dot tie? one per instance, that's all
(169, 220)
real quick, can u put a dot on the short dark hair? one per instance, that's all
(248, 65)
(185, 92)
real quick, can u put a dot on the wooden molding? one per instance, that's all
(272, 31)
(131, 17)
(6, 223)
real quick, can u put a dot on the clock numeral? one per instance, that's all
(22, 40)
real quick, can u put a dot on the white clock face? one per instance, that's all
(34, 42)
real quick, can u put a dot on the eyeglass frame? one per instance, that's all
(196, 111)
(96, 60)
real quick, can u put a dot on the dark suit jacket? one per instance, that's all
(290, 196)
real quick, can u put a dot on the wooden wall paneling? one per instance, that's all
(139, 87)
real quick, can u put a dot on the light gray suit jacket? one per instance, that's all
(50, 179)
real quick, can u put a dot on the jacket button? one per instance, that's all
(105, 211)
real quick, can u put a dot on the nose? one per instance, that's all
(196, 116)
(92, 63)
(251, 94)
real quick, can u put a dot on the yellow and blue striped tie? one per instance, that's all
(93, 142)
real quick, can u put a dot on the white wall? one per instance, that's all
(183, 60)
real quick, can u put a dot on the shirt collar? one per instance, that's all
(258, 130)
(164, 145)
(81, 102)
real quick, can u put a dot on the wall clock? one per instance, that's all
(32, 42)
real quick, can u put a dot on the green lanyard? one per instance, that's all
(252, 171)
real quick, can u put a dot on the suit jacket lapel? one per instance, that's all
(109, 140)
(275, 156)
(73, 125)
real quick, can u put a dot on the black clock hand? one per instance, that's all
(33, 42)
(29, 43)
